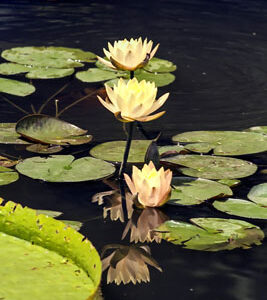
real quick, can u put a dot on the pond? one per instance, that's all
(220, 50)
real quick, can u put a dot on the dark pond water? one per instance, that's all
(220, 48)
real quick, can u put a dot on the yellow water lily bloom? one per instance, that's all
(133, 101)
(152, 186)
(129, 55)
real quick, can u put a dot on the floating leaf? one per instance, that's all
(63, 168)
(8, 134)
(160, 79)
(212, 234)
(50, 130)
(73, 224)
(113, 151)
(212, 167)
(7, 176)
(50, 73)
(258, 194)
(48, 57)
(223, 142)
(192, 191)
(258, 129)
(13, 69)
(241, 208)
(96, 75)
(160, 65)
(6, 162)
(49, 213)
(44, 258)
(16, 88)
(172, 149)
(44, 149)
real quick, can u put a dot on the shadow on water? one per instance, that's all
(220, 48)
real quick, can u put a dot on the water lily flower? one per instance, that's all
(129, 55)
(133, 101)
(143, 223)
(152, 186)
(128, 264)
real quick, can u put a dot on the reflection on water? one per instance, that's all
(220, 48)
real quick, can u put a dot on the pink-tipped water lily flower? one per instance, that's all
(151, 186)
(129, 55)
(133, 101)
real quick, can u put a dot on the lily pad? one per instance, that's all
(6, 162)
(13, 69)
(212, 234)
(192, 191)
(49, 57)
(258, 194)
(241, 208)
(50, 73)
(96, 75)
(230, 182)
(8, 134)
(211, 167)
(160, 79)
(45, 258)
(225, 143)
(172, 149)
(7, 176)
(49, 130)
(160, 65)
(63, 168)
(44, 149)
(16, 88)
(73, 224)
(258, 129)
(113, 151)
(49, 213)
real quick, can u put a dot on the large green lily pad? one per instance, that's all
(192, 191)
(13, 69)
(241, 208)
(43, 258)
(7, 176)
(96, 75)
(63, 168)
(113, 151)
(256, 208)
(211, 167)
(49, 130)
(211, 234)
(158, 65)
(160, 79)
(49, 57)
(223, 142)
(16, 88)
(8, 134)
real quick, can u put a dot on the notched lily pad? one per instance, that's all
(16, 88)
(49, 130)
(46, 258)
(7, 176)
(192, 191)
(49, 57)
(211, 167)
(225, 143)
(113, 151)
(211, 234)
(63, 168)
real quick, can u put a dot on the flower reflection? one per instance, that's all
(143, 223)
(128, 55)
(128, 264)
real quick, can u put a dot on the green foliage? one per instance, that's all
(211, 234)
(16, 88)
(192, 191)
(44, 257)
(113, 151)
(8, 134)
(7, 176)
(63, 168)
(211, 167)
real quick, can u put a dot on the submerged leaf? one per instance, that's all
(16, 88)
(211, 234)
(63, 168)
(211, 167)
(192, 191)
(113, 151)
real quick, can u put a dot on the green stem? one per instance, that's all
(13, 104)
(127, 150)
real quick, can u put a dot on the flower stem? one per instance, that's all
(123, 200)
(131, 74)
(127, 150)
